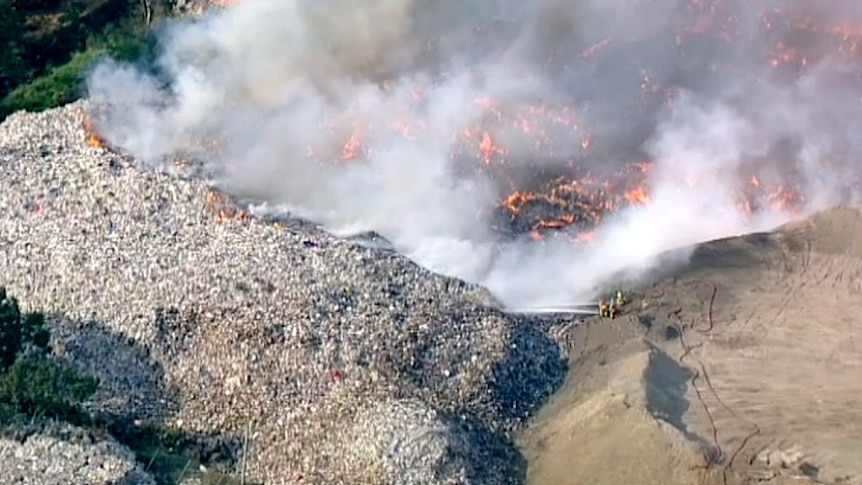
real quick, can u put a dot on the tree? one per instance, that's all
(10, 330)
(16, 332)
(13, 67)
(148, 12)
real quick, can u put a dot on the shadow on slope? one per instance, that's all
(132, 403)
(534, 369)
(765, 325)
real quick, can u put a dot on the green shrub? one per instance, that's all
(217, 477)
(10, 330)
(63, 84)
(127, 44)
(16, 331)
(60, 86)
(45, 388)
(35, 5)
(35, 385)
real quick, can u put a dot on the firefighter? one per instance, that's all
(621, 300)
(612, 311)
(604, 308)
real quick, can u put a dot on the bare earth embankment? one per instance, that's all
(742, 367)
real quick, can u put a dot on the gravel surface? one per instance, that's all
(334, 361)
(61, 455)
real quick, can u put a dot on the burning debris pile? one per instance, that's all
(576, 206)
(564, 117)
(94, 139)
(574, 200)
(577, 203)
(221, 206)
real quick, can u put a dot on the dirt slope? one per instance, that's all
(743, 367)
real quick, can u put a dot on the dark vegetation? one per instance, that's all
(36, 388)
(46, 46)
(31, 384)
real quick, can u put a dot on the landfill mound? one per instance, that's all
(331, 362)
(741, 367)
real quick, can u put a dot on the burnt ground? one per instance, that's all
(742, 367)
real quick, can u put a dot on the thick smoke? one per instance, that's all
(355, 114)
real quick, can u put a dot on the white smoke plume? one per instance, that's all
(415, 118)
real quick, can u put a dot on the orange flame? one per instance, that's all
(588, 237)
(223, 208)
(95, 142)
(487, 148)
(93, 138)
(637, 196)
(352, 148)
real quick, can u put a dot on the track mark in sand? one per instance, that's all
(748, 319)
(827, 271)
(754, 432)
(783, 306)
(658, 290)
(786, 260)
(806, 260)
(755, 428)
(699, 370)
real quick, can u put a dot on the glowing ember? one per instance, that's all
(224, 208)
(637, 196)
(94, 140)
(352, 149)
(563, 203)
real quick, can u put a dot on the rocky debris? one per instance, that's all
(63, 454)
(789, 458)
(278, 335)
(420, 445)
(770, 463)
(199, 7)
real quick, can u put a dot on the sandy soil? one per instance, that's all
(745, 366)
